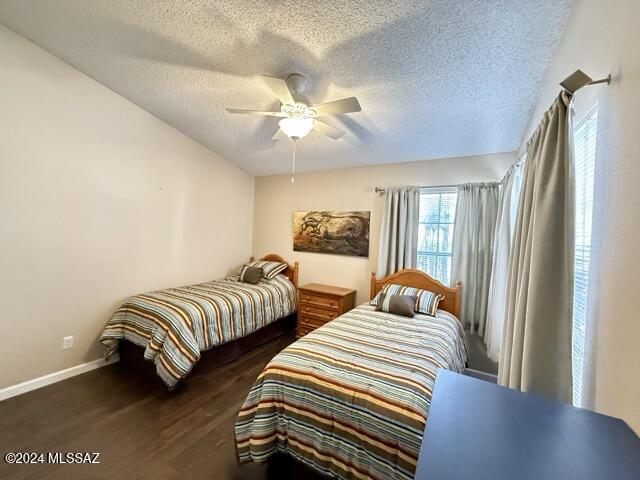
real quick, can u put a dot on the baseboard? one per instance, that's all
(54, 377)
(488, 377)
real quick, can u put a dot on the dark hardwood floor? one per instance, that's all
(478, 359)
(141, 430)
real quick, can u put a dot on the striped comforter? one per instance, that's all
(351, 398)
(175, 325)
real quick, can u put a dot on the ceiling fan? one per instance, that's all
(298, 118)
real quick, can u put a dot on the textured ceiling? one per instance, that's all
(434, 78)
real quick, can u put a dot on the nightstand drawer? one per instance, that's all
(321, 313)
(318, 301)
(302, 330)
(306, 321)
(319, 304)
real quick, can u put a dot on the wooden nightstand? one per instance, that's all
(319, 304)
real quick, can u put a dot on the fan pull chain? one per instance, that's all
(293, 164)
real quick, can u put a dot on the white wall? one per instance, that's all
(276, 198)
(603, 37)
(98, 200)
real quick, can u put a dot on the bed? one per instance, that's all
(351, 398)
(169, 330)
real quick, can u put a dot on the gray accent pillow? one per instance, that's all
(250, 274)
(397, 304)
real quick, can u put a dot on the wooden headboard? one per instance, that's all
(292, 270)
(418, 279)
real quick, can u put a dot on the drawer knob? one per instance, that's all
(306, 309)
(331, 303)
(331, 315)
(307, 298)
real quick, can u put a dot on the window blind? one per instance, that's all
(584, 166)
(435, 233)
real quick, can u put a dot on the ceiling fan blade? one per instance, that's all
(328, 130)
(279, 88)
(256, 112)
(346, 105)
(279, 135)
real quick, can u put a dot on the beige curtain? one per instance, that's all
(473, 232)
(536, 343)
(505, 223)
(398, 247)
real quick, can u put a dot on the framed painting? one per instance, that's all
(339, 233)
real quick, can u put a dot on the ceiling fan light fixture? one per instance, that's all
(298, 118)
(296, 127)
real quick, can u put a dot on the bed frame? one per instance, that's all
(411, 277)
(132, 355)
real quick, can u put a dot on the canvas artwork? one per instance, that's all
(340, 233)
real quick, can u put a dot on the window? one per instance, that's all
(584, 158)
(435, 234)
(516, 189)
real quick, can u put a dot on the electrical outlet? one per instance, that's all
(67, 342)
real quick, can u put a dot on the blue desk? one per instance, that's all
(477, 430)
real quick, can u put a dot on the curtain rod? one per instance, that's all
(384, 189)
(571, 84)
(579, 79)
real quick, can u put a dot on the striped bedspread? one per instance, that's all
(176, 324)
(351, 398)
